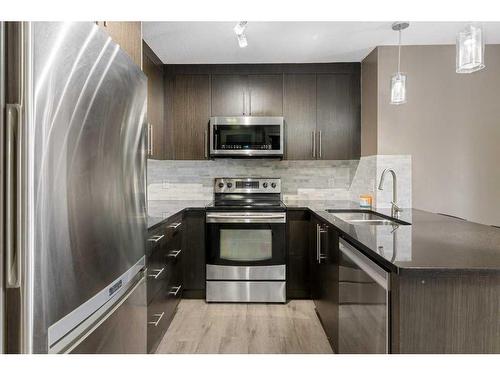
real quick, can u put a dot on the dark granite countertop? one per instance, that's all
(159, 211)
(431, 242)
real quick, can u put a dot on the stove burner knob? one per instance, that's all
(273, 185)
(229, 185)
(264, 185)
(221, 185)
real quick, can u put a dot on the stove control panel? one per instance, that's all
(247, 185)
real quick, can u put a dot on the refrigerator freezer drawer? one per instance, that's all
(123, 331)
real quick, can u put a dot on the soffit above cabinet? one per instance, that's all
(291, 42)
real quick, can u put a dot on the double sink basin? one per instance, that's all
(365, 217)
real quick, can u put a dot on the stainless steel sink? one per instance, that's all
(365, 218)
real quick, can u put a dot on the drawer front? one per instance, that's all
(164, 267)
(158, 272)
(161, 311)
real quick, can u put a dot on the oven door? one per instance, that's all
(246, 238)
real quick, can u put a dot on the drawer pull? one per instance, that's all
(157, 274)
(156, 238)
(174, 253)
(174, 225)
(159, 316)
(175, 290)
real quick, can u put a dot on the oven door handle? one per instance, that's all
(247, 216)
(235, 218)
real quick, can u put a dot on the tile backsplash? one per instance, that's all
(301, 180)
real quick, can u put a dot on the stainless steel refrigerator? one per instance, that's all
(73, 208)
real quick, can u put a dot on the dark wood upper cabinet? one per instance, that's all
(299, 111)
(338, 116)
(229, 93)
(320, 104)
(191, 110)
(153, 68)
(128, 35)
(265, 95)
(245, 95)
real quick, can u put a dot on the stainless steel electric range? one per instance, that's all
(246, 241)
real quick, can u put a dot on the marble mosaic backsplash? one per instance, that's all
(301, 180)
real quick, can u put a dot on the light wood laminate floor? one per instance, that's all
(199, 327)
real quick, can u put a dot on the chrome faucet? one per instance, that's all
(395, 210)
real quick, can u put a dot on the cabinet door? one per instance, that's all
(328, 303)
(338, 116)
(299, 110)
(265, 95)
(191, 115)
(156, 99)
(194, 254)
(128, 35)
(298, 285)
(324, 276)
(313, 259)
(229, 95)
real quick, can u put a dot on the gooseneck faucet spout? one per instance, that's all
(395, 210)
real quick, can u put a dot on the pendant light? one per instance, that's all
(470, 49)
(398, 80)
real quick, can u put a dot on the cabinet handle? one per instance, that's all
(318, 243)
(157, 274)
(160, 317)
(319, 231)
(250, 102)
(156, 238)
(150, 139)
(175, 290)
(313, 144)
(174, 225)
(206, 143)
(174, 253)
(244, 103)
(319, 145)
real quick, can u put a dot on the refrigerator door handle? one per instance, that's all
(13, 237)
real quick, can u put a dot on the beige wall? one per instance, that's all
(451, 127)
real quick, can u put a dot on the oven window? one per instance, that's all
(246, 244)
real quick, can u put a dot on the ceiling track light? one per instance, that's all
(398, 80)
(470, 49)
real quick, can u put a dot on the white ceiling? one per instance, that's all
(291, 42)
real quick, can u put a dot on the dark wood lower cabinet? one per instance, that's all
(324, 276)
(194, 257)
(297, 284)
(446, 312)
(164, 278)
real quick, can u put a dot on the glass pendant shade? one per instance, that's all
(470, 50)
(398, 88)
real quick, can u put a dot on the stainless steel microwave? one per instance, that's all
(246, 136)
